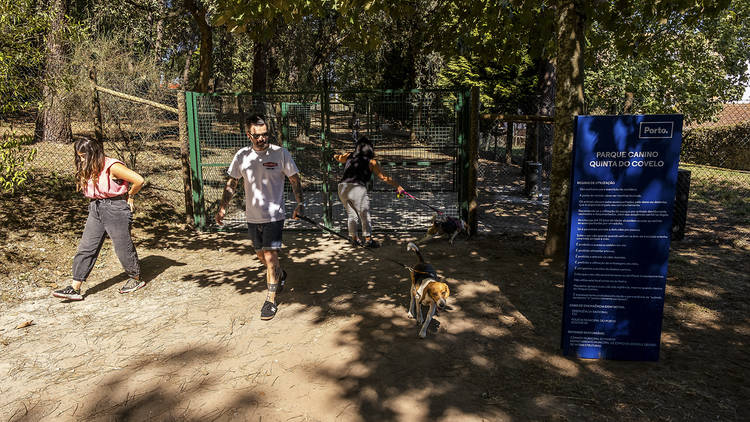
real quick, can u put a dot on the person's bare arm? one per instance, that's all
(375, 167)
(341, 158)
(226, 196)
(296, 183)
(119, 171)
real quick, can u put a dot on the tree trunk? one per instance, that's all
(159, 32)
(205, 65)
(53, 121)
(260, 66)
(569, 23)
(186, 70)
(96, 108)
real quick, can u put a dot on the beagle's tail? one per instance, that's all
(413, 247)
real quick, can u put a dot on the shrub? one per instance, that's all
(13, 159)
(723, 146)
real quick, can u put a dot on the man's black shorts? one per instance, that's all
(266, 236)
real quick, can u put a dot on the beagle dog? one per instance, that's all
(425, 290)
(443, 224)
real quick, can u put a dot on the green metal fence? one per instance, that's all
(420, 139)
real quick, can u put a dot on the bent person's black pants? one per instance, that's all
(111, 217)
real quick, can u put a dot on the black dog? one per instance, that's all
(443, 224)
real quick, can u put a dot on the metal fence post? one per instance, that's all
(473, 161)
(195, 160)
(182, 119)
(464, 118)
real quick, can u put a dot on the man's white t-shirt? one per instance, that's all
(263, 174)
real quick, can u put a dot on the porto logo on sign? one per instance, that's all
(655, 130)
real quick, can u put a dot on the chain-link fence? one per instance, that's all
(144, 137)
(416, 137)
(717, 155)
(506, 145)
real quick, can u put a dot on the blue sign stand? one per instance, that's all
(622, 199)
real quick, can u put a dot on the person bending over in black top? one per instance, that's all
(358, 169)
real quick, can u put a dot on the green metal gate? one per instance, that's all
(420, 139)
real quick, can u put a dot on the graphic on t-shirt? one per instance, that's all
(270, 165)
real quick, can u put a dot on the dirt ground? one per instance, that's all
(191, 346)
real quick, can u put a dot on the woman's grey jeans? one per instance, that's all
(111, 217)
(354, 194)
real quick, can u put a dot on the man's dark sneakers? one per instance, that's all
(268, 311)
(132, 285)
(282, 281)
(68, 293)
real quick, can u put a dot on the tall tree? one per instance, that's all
(569, 24)
(680, 63)
(22, 54)
(205, 62)
(53, 120)
(625, 22)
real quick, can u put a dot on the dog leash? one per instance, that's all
(424, 203)
(324, 228)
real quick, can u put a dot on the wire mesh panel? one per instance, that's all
(415, 136)
(717, 155)
(220, 133)
(416, 143)
(145, 138)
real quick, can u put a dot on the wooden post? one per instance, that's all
(473, 161)
(185, 156)
(96, 108)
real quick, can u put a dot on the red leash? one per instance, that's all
(424, 203)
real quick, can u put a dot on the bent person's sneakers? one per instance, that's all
(372, 243)
(268, 310)
(132, 285)
(68, 293)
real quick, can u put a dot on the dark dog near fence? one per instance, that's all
(443, 224)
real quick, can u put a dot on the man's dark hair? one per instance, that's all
(255, 120)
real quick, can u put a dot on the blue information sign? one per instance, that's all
(622, 201)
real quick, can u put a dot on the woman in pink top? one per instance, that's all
(111, 187)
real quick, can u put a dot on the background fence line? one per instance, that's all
(413, 144)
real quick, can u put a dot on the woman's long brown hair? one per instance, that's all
(90, 164)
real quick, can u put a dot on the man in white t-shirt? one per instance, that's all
(262, 167)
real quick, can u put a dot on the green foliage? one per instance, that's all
(724, 146)
(13, 159)
(679, 61)
(22, 30)
(503, 88)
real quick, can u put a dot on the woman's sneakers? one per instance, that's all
(132, 285)
(68, 293)
(72, 294)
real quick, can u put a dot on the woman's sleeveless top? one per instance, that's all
(356, 170)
